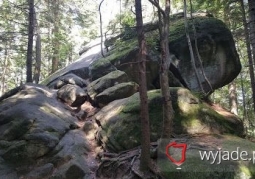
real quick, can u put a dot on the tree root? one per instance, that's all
(126, 163)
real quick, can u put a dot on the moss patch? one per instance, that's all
(195, 167)
(191, 117)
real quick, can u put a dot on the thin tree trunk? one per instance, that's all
(37, 59)
(248, 47)
(55, 33)
(193, 62)
(232, 97)
(144, 115)
(197, 51)
(252, 26)
(30, 41)
(4, 69)
(101, 28)
(244, 98)
(165, 61)
(37, 53)
(70, 56)
(168, 112)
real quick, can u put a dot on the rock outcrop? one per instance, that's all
(38, 137)
(216, 60)
(120, 119)
(90, 111)
(219, 60)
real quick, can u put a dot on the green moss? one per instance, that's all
(245, 170)
(194, 167)
(122, 48)
(191, 116)
(202, 25)
(100, 63)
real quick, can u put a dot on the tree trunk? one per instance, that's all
(70, 57)
(252, 26)
(165, 61)
(168, 112)
(37, 59)
(4, 70)
(244, 98)
(55, 33)
(248, 47)
(192, 57)
(30, 41)
(101, 28)
(232, 97)
(144, 115)
(37, 53)
(209, 87)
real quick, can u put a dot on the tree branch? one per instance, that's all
(158, 7)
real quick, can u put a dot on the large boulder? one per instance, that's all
(120, 121)
(216, 49)
(39, 137)
(219, 59)
(215, 45)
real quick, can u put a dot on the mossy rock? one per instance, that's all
(100, 68)
(32, 122)
(109, 80)
(215, 45)
(239, 166)
(118, 91)
(124, 57)
(121, 125)
(216, 48)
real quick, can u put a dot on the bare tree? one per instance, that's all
(55, 33)
(252, 26)
(232, 97)
(4, 69)
(30, 41)
(144, 115)
(196, 49)
(101, 27)
(37, 69)
(165, 62)
(232, 94)
(248, 47)
(192, 57)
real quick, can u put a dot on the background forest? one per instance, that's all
(39, 37)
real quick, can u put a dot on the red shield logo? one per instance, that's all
(182, 146)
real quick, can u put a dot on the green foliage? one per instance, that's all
(122, 22)
(75, 19)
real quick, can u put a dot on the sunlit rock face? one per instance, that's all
(39, 137)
